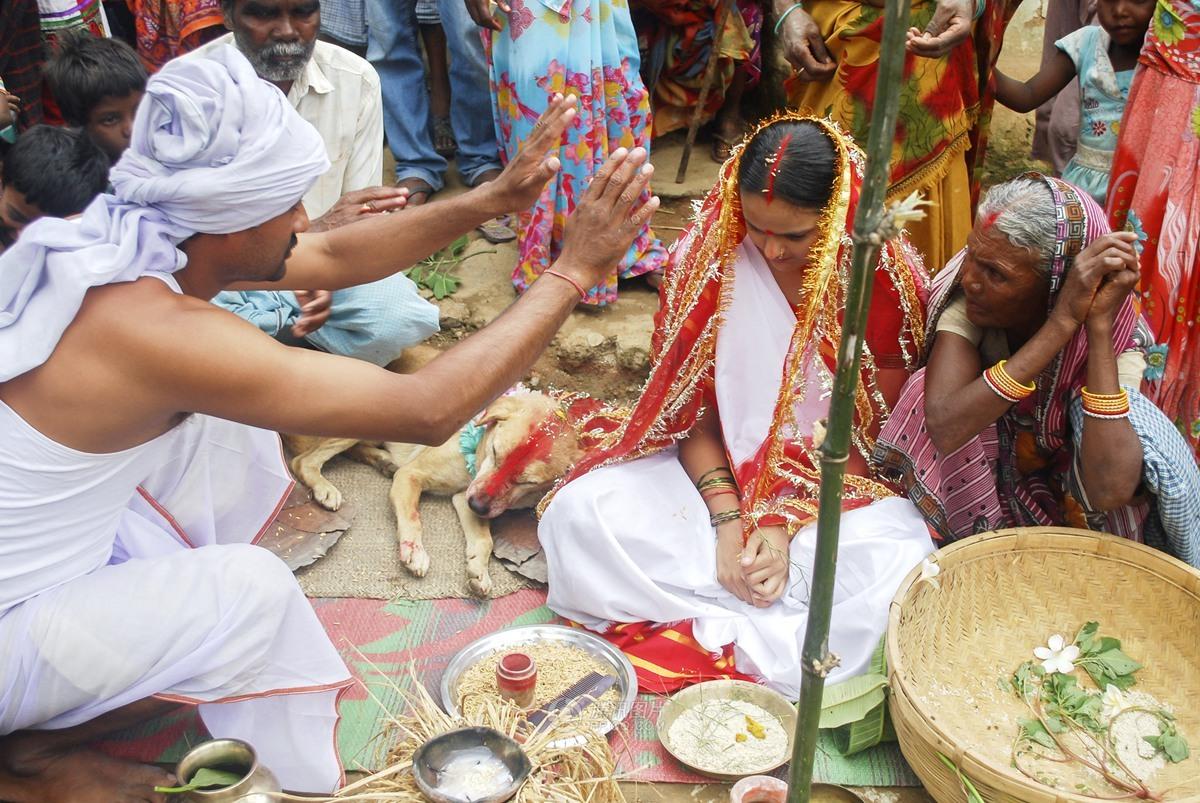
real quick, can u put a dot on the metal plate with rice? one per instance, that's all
(612, 660)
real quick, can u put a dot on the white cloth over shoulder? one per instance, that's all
(215, 149)
(643, 533)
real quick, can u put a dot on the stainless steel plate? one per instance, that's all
(512, 638)
(770, 701)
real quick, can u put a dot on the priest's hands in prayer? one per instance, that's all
(949, 28)
(802, 42)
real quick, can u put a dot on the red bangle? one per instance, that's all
(582, 293)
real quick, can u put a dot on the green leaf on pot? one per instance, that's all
(205, 778)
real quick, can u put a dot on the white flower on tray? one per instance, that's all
(929, 572)
(1057, 655)
(1114, 700)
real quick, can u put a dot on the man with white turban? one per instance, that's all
(134, 477)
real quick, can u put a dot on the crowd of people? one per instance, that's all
(217, 166)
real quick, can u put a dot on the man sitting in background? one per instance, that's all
(338, 94)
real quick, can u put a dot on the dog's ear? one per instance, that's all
(498, 410)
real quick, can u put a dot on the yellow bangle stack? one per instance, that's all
(1003, 385)
(1105, 405)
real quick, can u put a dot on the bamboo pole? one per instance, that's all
(720, 19)
(869, 221)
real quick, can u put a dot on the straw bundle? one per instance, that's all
(952, 642)
(585, 773)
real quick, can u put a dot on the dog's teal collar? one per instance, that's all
(468, 444)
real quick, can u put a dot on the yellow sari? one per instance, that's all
(939, 106)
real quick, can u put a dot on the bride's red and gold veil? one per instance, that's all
(781, 485)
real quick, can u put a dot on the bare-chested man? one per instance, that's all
(137, 454)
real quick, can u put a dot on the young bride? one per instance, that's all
(699, 504)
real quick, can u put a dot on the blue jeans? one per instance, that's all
(394, 50)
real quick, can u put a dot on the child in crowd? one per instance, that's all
(98, 84)
(1103, 57)
(49, 171)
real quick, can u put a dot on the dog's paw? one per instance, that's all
(481, 586)
(327, 496)
(414, 557)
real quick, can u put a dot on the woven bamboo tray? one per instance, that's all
(1001, 594)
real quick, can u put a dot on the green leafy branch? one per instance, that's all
(1069, 721)
(434, 272)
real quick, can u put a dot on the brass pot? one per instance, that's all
(232, 755)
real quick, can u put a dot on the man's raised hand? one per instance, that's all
(607, 218)
(355, 205)
(525, 176)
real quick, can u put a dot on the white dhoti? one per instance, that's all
(107, 602)
(632, 542)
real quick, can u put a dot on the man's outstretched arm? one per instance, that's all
(380, 245)
(223, 367)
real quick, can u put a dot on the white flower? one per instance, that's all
(929, 572)
(1114, 701)
(1057, 656)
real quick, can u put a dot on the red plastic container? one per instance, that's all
(516, 678)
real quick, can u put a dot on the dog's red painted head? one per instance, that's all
(526, 447)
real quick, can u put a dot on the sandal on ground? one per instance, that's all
(443, 138)
(654, 278)
(418, 190)
(497, 230)
(722, 148)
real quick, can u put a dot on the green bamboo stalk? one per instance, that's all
(816, 661)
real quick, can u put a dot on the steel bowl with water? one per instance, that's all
(470, 765)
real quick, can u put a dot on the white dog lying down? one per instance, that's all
(520, 445)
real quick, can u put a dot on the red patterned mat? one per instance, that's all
(381, 641)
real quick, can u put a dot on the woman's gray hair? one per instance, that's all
(1023, 211)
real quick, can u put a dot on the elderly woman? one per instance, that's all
(1028, 411)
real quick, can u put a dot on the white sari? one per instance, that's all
(632, 542)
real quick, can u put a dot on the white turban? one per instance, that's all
(215, 150)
